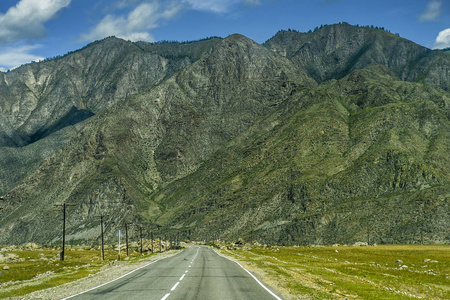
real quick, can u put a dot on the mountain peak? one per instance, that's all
(236, 35)
(333, 51)
(239, 39)
(241, 57)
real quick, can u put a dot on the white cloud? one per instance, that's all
(443, 39)
(125, 3)
(136, 25)
(433, 11)
(217, 6)
(13, 57)
(26, 20)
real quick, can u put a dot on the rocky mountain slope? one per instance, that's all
(272, 142)
(39, 99)
(335, 50)
(364, 151)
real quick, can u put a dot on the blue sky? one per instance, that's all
(31, 30)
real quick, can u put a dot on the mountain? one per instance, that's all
(335, 50)
(366, 150)
(272, 142)
(132, 148)
(39, 99)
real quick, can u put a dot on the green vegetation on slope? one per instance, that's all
(367, 150)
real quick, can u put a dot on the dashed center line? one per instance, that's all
(165, 296)
(175, 286)
(181, 278)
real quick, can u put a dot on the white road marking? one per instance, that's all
(195, 256)
(253, 276)
(181, 278)
(165, 296)
(120, 277)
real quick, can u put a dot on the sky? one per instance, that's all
(32, 30)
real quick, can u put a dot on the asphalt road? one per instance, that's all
(196, 273)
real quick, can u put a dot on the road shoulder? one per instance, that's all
(111, 272)
(261, 276)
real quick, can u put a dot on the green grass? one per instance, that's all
(353, 272)
(78, 263)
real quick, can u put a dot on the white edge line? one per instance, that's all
(253, 276)
(103, 284)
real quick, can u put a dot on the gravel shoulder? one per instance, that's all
(109, 272)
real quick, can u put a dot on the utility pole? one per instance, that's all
(368, 235)
(103, 249)
(119, 243)
(140, 234)
(101, 226)
(165, 241)
(160, 245)
(126, 235)
(64, 205)
(151, 237)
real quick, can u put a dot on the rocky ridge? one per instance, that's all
(335, 50)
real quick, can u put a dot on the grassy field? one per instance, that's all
(38, 269)
(342, 272)
(345, 272)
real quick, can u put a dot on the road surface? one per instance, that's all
(196, 273)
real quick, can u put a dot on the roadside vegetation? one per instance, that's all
(351, 272)
(306, 272)
(27, 269)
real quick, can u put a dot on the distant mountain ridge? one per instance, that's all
(335, 50)
(309, 138)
